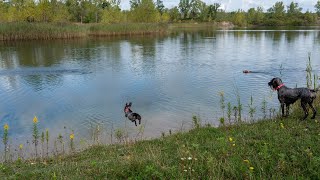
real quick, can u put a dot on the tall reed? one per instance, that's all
(47, 141)
(35, 134)
(309, 72)
(229, 111)
(5, 139)
(264, 108)
(72, 142)
(222, 103)
(252, 108)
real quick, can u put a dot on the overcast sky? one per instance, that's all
(231, 5)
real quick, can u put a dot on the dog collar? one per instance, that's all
(279, 87)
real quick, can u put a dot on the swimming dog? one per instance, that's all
(131, 115)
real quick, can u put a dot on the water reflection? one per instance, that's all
(168, 78)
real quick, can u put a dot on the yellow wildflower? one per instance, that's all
(6, 127)
(251, 168)
(281, 125)
(72, 136)
(230, 139)
(246, 161)
(35, 119)
(233, 144)
(21, 146)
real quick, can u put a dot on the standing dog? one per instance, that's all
(288, 96)
(131, 115)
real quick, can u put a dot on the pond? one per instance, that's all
(73, 85)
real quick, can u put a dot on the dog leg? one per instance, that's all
(287, 109)
(135, 122)
(304, 107)
(313, 110)
(282, 108)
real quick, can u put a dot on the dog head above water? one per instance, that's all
(275, 83)
(127, 108)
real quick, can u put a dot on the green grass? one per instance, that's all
(43, 31)
(273, 151)
(46, 31)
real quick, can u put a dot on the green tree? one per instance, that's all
(145, 12)
(277, 10)
(239, 18)
(213, 10)
(160, 6)
(112, 14)
(184, 7)
(293, 9)
(45, 11)
(317, 8)
(255, 16)
(4, 7)
(197, 7)
(73, 7)
(134, 4)
(174, 14)
(309, 18)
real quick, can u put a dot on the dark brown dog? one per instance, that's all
(131, 115)
(288, 96)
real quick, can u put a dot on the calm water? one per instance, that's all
(71, 85)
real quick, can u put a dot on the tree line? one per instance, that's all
(149, 11)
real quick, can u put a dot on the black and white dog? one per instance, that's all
(131, 115)
(288, 96)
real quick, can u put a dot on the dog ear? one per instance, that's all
(130, 103)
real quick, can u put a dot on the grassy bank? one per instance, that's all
(45, 31)
(266, 149)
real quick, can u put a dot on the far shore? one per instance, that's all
(50, 31)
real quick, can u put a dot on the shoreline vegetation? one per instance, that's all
(45, 20)
(51, 31)
(274, 148)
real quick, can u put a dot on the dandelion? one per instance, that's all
(6, 127)
(246, 161)
(35, 119)
(230, 139)
(20, 152)
(281, 125)
(71, 136)
(251, 168)
(233, 144)
(189, 158)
